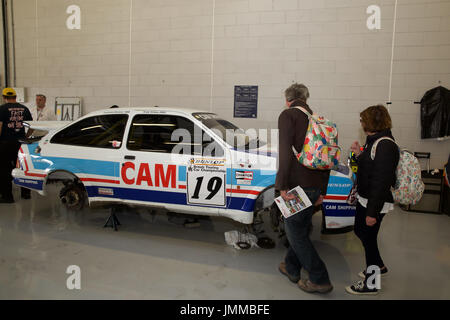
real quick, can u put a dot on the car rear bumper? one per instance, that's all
(22, 180)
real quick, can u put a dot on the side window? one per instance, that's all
(105, 131)
(167, 133)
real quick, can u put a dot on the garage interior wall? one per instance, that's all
(192, 54)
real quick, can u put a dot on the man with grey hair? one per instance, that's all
(296, 92)
(292, 125)
(40, 112)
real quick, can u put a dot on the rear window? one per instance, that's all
(105, 131)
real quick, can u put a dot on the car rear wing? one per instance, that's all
(46, 125)
(41, 128)
(30, 140)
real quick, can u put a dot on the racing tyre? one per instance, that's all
(73, 196)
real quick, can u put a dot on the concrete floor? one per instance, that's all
(152, 258)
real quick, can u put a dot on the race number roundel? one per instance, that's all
(206, 182)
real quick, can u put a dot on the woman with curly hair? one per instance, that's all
(375, 177)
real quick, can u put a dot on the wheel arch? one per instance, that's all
(260, 196)
(61, 175)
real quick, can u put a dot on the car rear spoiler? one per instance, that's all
(30, 140)
(41, 128)
(46, 125)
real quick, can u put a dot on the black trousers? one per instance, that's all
(8, 159)
(368, 236)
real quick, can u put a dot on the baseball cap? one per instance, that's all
(9, 92)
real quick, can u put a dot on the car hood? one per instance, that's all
(263, 158)
(266, 150)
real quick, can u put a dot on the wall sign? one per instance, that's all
(68, 108)
(20, 94)
(245, 101)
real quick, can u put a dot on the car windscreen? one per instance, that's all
(228, 132)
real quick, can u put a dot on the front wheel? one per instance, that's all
(73, 196)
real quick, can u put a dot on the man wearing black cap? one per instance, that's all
(12, 115)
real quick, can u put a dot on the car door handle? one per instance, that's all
(130, 157)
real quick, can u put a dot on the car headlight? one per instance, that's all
(265, 199)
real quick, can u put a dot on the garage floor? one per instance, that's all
(152, 258)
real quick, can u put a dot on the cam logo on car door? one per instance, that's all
(152, 172)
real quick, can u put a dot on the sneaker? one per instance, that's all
(310, 287)
(282, 269)
(360, 288)
(362, 274)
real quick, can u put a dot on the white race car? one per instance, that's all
(177, 159)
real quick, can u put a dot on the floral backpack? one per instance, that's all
(320, 149)
(409, 187)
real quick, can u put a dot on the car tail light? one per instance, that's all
(19, 162)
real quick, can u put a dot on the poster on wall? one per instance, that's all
(20, 94)
(245, 101)
(68, 108)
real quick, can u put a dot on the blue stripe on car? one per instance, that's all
(181, 173)
(261, 178)
(74, 165)
(243, 204)
(97, 167)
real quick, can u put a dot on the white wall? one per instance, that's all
(181, 53)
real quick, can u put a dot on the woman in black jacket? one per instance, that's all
(376, 176)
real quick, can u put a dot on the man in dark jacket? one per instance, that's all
(292, 125)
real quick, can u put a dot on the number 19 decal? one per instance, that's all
(207, 189)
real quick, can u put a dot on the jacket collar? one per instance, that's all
(384, 133)
(301, 103)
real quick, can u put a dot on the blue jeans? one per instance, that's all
(301, 252)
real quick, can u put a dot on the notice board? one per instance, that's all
(245, 101)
